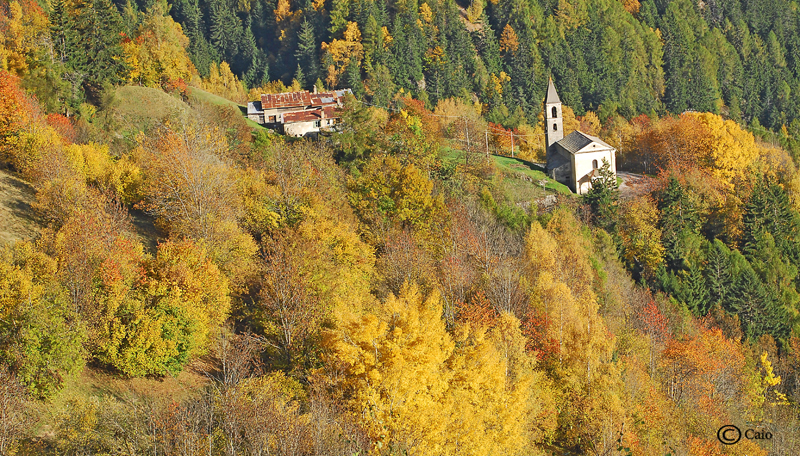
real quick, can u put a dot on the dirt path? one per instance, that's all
(632, 184)
(17, 219)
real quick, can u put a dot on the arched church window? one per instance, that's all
(594, 164)
(555, 112)
(555, 127)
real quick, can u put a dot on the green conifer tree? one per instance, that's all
(307, 55)
(679, 222)
(97, 52)
(603, 198)
(757, 307)
(718, 272)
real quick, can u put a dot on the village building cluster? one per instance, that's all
(298, 113)
(574, 160)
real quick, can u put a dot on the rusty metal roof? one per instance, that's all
(285, 100)
(308, 116)
(302, 99)
(302, 116)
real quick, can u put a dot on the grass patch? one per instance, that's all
(208, 97)
(535, 173)
(134, 109)
(137, 103)
(203, 96)
(522, 173)
(131, 110)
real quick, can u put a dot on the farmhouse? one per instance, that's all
(298, 113)
(573, 160)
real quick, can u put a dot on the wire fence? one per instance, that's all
(477, 139)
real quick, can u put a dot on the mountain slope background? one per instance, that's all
(195, 283)
(738, 58)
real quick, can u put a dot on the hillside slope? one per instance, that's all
(17, 220)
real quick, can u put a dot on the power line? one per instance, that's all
(492, 128)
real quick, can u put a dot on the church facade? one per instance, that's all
(576, 159)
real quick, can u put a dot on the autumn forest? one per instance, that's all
(176, 279)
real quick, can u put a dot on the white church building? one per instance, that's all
(573, 160)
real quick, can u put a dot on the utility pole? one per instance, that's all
(487, 144)
(512, 143)
(466, 128)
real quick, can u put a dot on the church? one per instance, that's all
(573, 160)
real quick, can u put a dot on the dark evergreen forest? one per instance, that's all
(739, 58)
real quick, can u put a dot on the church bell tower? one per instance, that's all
(554, 124)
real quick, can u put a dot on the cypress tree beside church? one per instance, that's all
(604, 197)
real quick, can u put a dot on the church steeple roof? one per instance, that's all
(552, 95)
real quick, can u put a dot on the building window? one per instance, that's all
(594, 164)
(316, 123)
(555, 112)
(271, 119)
(555, 127)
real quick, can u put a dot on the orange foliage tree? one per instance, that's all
(24, 135)
(414, 134)
(693, 140)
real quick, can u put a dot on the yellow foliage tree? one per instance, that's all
(158, 52)
(388, 191)
(688, 143)
(342, 51)
(24, 134)
(90, 160)
(23, 31)
(191, 189)
(183, 273)
(475, 10)
(415, 391)
(62, 176)
(590, 123)
(300, 188)
(631, 6)
(221, 81)
(509, 42)
(61, 189)
(723, 146)
(562, 279)
(571, 14)
(590, 387)
(40, 338)
(151, 317)
(641, 239)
